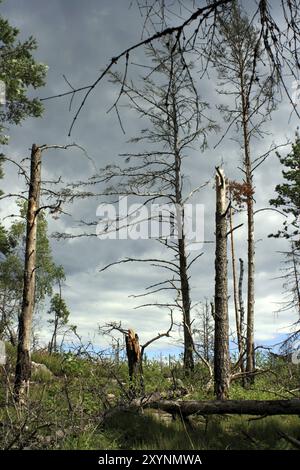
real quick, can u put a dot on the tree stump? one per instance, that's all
(133, 352)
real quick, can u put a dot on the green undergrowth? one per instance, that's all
(69, 398)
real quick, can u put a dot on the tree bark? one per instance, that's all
(23, 365)
(250, 365)
(188, 357)
(220, 407)
(221, 348)
(250, 359)
(235, 285)
(134, 358)
(242, 318)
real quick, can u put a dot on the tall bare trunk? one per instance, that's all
(23, 365)
(250, 365)
(221, 350)
(188, 357)
(250, 360)
(242, 319)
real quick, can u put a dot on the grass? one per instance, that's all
(66, 407)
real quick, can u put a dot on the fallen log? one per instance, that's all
(220, 407)
(176, 406)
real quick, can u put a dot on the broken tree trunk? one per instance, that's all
(247, 407)
(133, 352)
(221, 348)
(23, 365)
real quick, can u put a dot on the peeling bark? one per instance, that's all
(23, 365)
(221, 349)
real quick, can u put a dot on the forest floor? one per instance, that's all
(71, 395)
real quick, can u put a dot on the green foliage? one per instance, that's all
(58, 308)
(42, 376)
(52, 361)
(47, 272)
(288, 193)
(12, 246)
(74, 400)
(20, 73)
(252, 92)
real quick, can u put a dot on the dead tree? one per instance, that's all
(184, 408)
(23, 365)
(189, 27)
(221, 407)
(133, 352)
(235, 49)
(155, 177)
(221, 348)
(241, 303)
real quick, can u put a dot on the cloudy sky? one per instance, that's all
(77, 39)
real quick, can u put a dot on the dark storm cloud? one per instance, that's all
(78, 39)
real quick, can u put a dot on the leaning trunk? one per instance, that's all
(221, 350)
(23, 365)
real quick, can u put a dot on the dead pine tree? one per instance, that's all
(221, 345)
(23, 364)
(155, 176)
(254, 93)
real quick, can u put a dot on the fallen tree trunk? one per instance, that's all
(220, 407)
(184, 408)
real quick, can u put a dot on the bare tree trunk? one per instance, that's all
(250, 365)
(23, 365)
(134, 358)
(235, 286)
(242, 318)
(221, 349)
(188, 357)
(217, 407)
(241, 301)
(250, 360)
